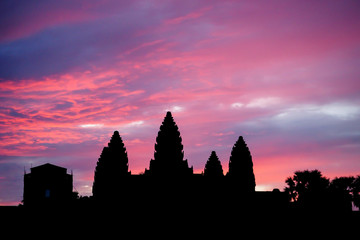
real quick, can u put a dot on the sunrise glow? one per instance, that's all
(282, 74)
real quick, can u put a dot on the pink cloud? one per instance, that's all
(31, 22)
(189, 16)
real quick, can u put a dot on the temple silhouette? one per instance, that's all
(168, 183)
(169, 196)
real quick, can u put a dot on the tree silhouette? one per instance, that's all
(342, 190)
(308, 189)
(241, 166)
(213, 166)
(169, 154)
(111, 167)
(356, 191)
(311, 191)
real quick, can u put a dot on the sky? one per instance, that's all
(284, 75)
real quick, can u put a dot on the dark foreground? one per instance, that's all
(109, 222)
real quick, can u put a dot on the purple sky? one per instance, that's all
(283, 74)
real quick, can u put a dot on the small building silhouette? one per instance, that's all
(47, 185)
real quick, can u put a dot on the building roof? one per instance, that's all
(48, 168)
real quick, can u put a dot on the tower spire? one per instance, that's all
(111, 167)
(169, 154)
(213, 166)
(241, 166)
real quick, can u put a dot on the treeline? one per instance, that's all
(310, 190)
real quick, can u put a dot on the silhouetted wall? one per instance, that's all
(194, 194)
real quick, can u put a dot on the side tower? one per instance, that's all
(213, 166)
(241, 167)
(169, 155)
(111, 167)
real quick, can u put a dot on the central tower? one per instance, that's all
(169, 155)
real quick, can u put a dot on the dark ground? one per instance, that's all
(173, 222)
